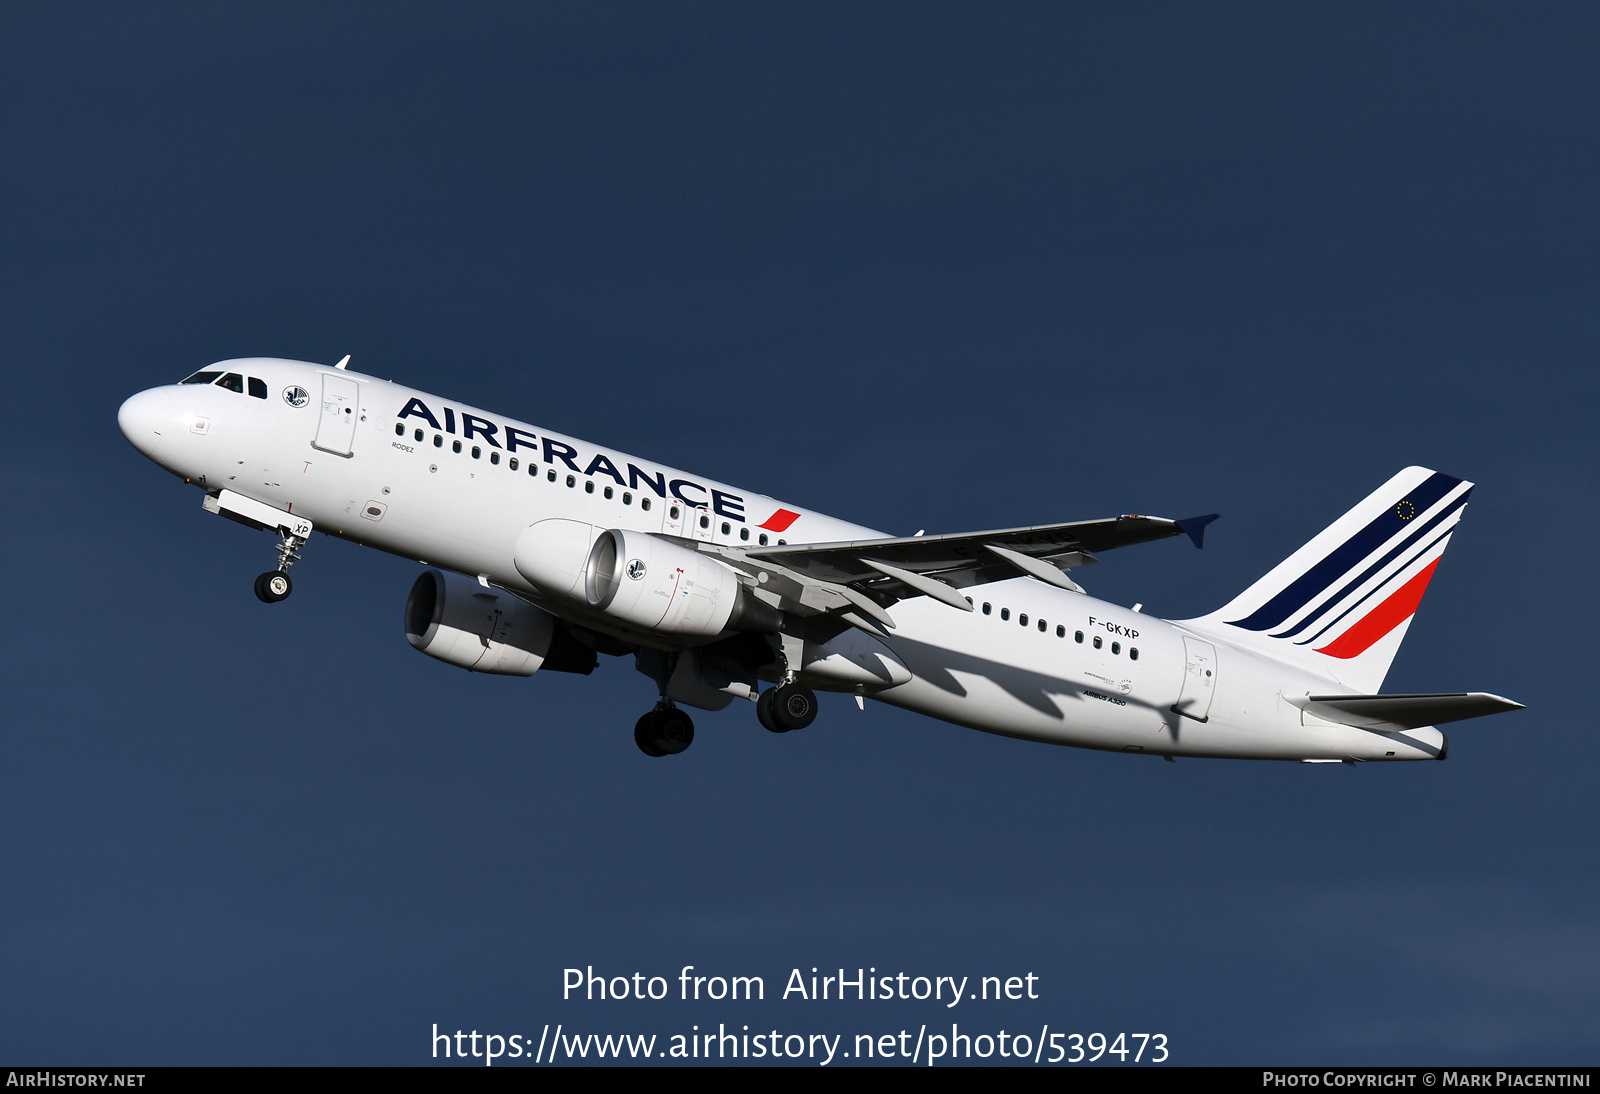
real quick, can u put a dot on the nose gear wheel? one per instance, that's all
(273, 586)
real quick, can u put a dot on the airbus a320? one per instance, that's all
(544, 551)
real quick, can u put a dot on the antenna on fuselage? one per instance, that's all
(343, 361)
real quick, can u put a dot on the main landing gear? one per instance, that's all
(274, 585)
(787, 706)
(665, 731)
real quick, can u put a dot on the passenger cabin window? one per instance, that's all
(1061, 632)
(644, 503)
(201, 378)
(550, 475)
(609, 492)
(1097, 641)
(476, 452)
(744, 533)
(1043, 626)
(1116, 647)
(1133, 653)
(1005, 613)
(627, 498)
(727, 529)
(987, 607)
(455, 446)
(513, 464)
(233, 382)
(417, 436)
(572, 480)
(494, 457)
(1023, 619)
(762, 539)
(399, 429)
(1077, 636)
(588, 487)
(258, 388)
(438, 441)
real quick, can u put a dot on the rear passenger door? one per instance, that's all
(1199, 679)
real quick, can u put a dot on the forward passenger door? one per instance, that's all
(336, 428)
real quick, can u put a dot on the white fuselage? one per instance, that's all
(405, 489)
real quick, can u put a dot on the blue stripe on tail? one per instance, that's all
(1317, 580)
(1350, 587)
(1442, 536)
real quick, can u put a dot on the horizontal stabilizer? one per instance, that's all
(1405, 711)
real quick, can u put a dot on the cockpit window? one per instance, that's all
(258, 388)
(202, 378)
(233, 382)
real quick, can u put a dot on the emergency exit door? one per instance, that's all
(704, 525)
(672, 517)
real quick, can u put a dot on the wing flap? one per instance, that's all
(856, 580)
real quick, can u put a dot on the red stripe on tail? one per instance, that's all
(1381, 620)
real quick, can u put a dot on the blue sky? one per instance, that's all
(918, 266)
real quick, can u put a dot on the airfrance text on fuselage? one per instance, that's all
(552, 450)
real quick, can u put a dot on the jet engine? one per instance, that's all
(551, 554)
(456, 620)
(662, 587)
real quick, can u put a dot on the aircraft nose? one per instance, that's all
(143, 418)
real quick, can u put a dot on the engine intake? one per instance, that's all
(457, 621)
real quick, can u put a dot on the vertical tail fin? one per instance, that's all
(1341, 604)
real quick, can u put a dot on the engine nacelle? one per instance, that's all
(662, 587)
(551, 555)
(458, 621)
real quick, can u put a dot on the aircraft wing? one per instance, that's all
(1405, 711)
(861, 577)
(1065, 545)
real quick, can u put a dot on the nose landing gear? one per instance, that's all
(274, 585)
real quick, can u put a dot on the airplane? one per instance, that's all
(543, 552)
